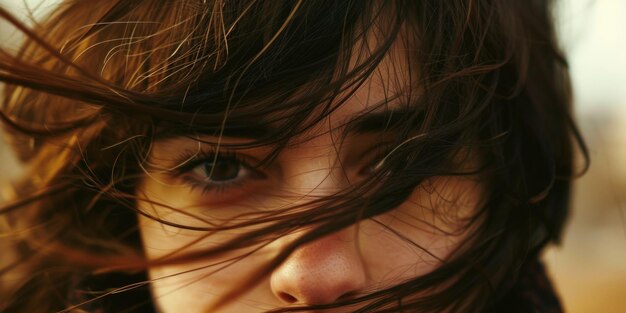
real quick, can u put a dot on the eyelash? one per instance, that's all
(194, 161)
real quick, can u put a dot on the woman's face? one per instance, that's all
(215, 188)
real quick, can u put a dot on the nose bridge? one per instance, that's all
(331, 247)
(316, 173)
(320, 272)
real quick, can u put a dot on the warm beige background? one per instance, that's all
(590, 268)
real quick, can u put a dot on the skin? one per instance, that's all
(359, 259)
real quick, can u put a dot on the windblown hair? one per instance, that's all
(98, 81)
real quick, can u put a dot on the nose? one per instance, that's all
(321, 272)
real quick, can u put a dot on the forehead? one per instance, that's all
(383, 56)
(389, 87)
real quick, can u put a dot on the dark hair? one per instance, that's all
(98, 81)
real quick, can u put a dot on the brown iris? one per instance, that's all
(222, 169)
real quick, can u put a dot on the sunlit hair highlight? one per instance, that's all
(98, 82)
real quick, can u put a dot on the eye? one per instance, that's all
(375, 160)
(221, 169)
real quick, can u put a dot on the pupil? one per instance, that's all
(222, 169)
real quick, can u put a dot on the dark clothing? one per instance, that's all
(532, 293)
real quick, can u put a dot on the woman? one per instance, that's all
(249, 156)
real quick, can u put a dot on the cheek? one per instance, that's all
(192, 284)
(189, 289)
(419, 235)
(406, 242)
(196, 285)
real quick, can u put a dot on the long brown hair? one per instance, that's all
(98, 81)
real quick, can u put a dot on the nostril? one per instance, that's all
(348, 296)
(287, 297)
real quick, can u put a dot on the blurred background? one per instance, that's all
(589, 268)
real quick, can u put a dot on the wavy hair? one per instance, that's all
(97, 82)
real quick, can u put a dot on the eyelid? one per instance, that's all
(185, 172)
(375, 156)
(192, 160)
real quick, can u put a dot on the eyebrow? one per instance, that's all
(381, 121)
